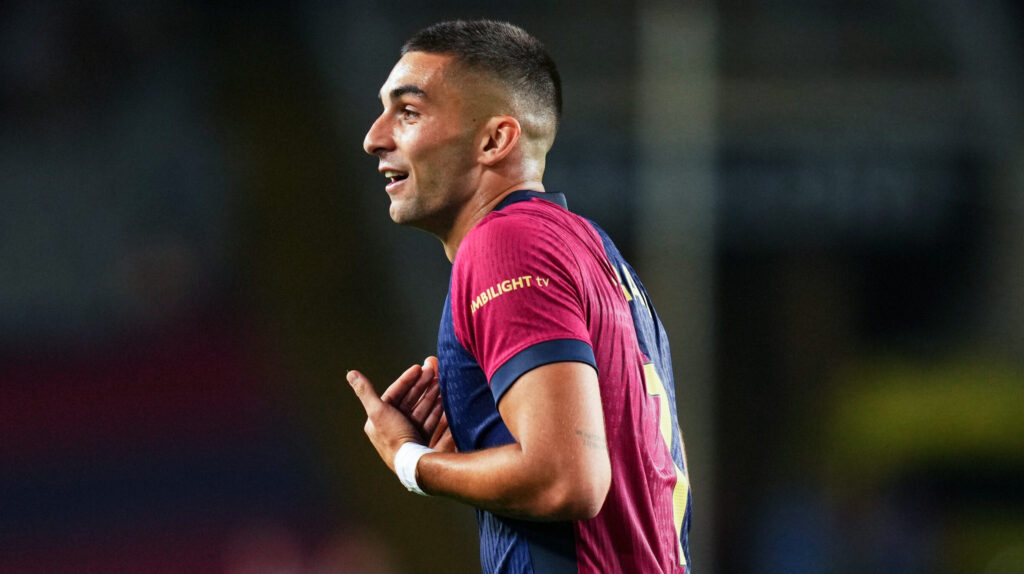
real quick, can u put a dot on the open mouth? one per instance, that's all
(395, 176)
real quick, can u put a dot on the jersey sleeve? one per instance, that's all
(517, 301)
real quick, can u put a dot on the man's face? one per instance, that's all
(425, 142)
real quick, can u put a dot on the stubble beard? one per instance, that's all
(435, 207)
(417, 213)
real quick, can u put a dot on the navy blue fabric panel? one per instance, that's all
(555, 351)
(503, 550)
(529, 547)
(471, 410)
(552, 547)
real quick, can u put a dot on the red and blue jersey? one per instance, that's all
(534, 284)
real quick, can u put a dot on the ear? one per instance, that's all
(500, 136)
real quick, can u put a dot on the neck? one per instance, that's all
(476, 210)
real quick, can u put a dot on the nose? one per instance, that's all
(378, 138)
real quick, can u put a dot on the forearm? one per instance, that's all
(506, 481)
(557, 470)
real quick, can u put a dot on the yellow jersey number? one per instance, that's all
(680, 494)
(656, 389)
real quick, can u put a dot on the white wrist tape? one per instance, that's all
(406, 459)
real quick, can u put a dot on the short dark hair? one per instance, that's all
(502, 50)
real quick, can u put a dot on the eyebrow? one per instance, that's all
(406, 89)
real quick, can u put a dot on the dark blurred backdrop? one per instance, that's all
(825, 197)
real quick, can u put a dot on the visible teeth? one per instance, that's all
(393, 174)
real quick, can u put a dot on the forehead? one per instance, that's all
(429, 74)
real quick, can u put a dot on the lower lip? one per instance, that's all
(393, 185)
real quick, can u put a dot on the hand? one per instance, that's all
(417, 394)
(387, 426)
(420, 399)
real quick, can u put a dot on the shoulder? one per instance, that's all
(522, 220)
(520, 230)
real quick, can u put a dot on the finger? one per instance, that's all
(431, 363)
(416, 392)
(439, 433)
(446, 443)
(433, 418)
(364, 390)
(425, 405)
(398, 390)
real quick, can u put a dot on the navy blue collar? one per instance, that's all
(525, 195)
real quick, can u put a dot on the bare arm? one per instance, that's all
(558, 468)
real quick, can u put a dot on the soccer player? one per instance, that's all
(550, 407)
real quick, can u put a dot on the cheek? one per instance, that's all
(444, 161)
(458, 153)
(434, 156)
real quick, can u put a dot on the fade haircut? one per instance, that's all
(505, 53)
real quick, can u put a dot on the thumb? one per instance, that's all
(363, 389)
(431, 363)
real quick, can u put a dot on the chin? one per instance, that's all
(400, 215)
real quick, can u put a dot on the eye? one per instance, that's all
(408, 113)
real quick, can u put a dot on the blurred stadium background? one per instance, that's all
(826, 197)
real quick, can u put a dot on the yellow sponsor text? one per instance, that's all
(506, 286)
